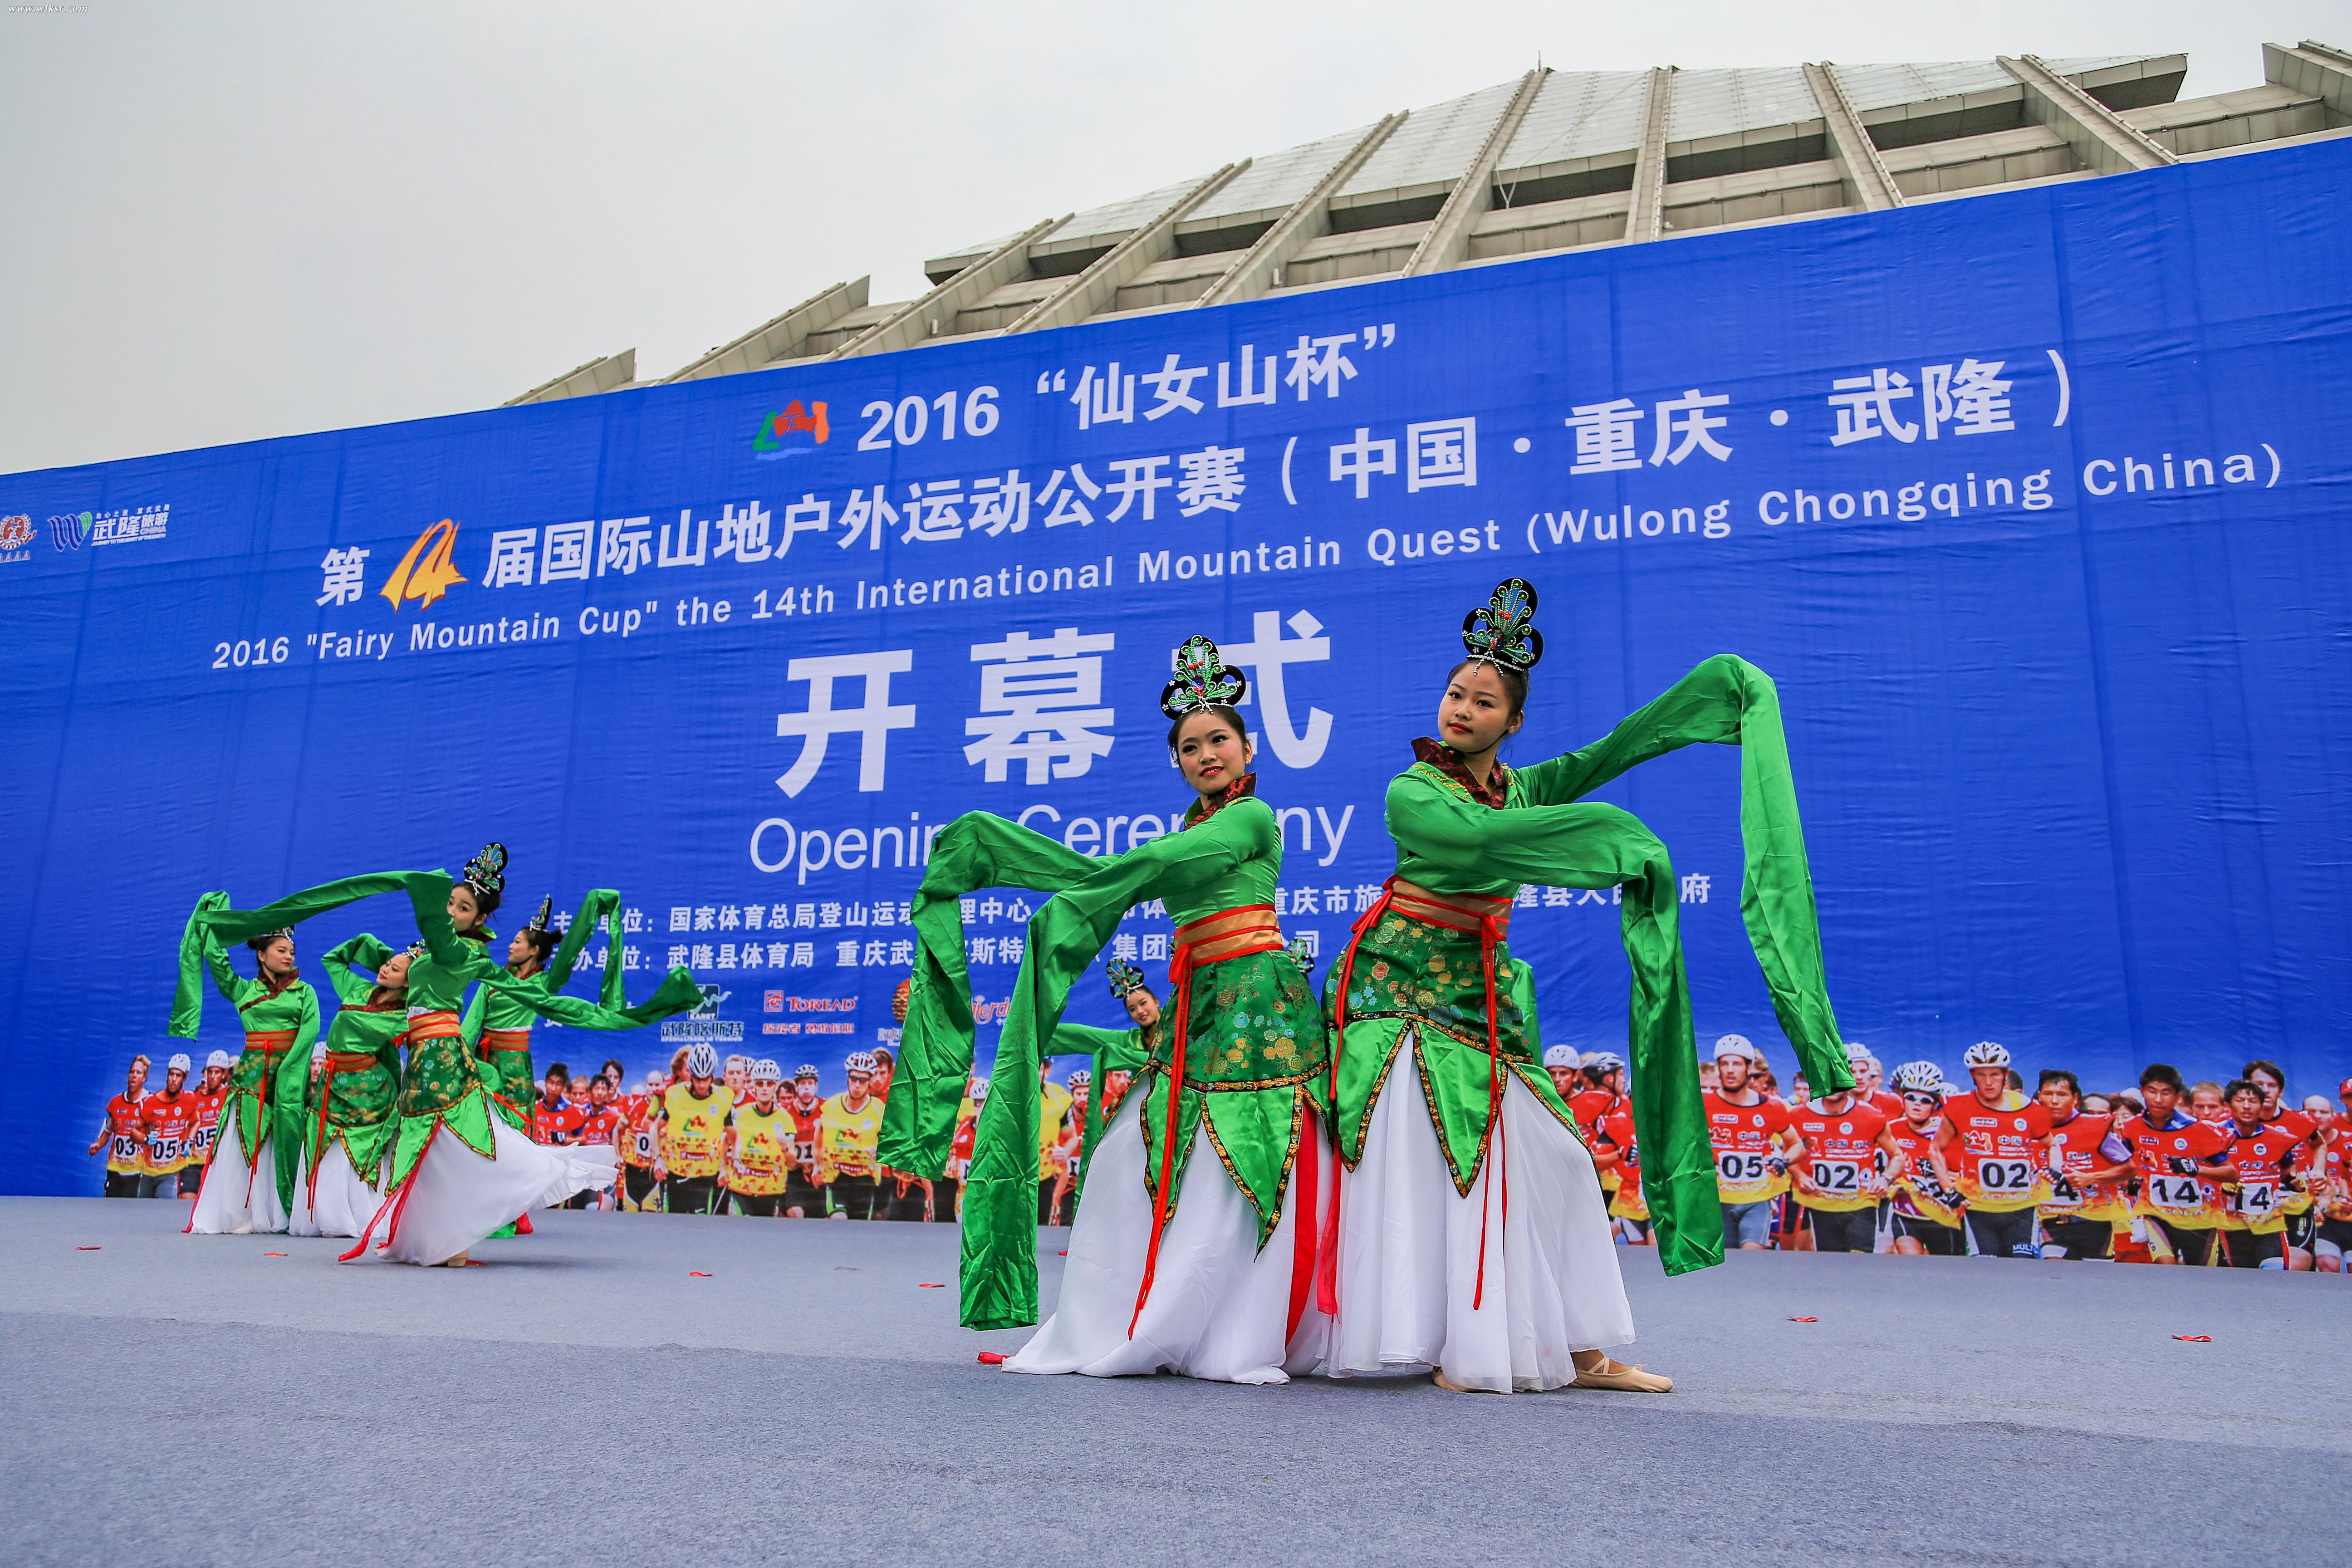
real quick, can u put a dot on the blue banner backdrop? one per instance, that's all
(2032, 503)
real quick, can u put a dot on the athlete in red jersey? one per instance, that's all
(123, 1135)
(803, 1197)
(171, 1119)
(2334, 1238)
(1614, 1148)
(2084, 1198)
(1752, 1144)
(2178, 1158)
(1836, 1178)
(601, 1123)
(1927, 1205)
(210, 1094)
(2253, 1229)
(1996, 1138)
(554, 1119)
(1870, 1082)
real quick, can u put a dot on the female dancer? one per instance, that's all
(260, 1126)
(1471, 1236)
(348, 1132)
(1194, 1250)
(451, 1192)
(497, 1025)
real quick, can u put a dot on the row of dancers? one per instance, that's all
(1381, 1179)
(434, 1151)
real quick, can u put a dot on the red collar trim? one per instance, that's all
(1199, 811)
(1494, 793)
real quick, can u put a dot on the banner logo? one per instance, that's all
(796, 430)
(425, 573)
(15, 535)
(703, 1022)
(68, 530)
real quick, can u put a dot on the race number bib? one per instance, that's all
(126, 1147)
(1738, 1169)
(643, 1143)
(2005, 1178)
(2179, 1194)
(2257, 1200)
(1840, 1179)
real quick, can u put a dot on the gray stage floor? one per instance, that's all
(584, 1400)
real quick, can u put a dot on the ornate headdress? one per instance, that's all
(1302, 954)
(1502, 631)
(416, 950)
(546, 911)
(488, 870)
(1124, 977)
(1202, 680)
(260, 940)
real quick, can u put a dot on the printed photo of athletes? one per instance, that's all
(2219, 1172)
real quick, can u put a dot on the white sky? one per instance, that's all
(224, 221)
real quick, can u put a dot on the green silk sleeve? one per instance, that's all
(596, 906)
(345, 963)
(470, 1023)
(1108, 1051)
(935, 1050)
(1728, 701)
(200, 950)
(1000, 1212)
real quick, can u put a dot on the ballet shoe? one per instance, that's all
(1615, 1375)
(457, 1262)
(245, 1229)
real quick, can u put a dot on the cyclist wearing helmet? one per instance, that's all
(1836, 1177)
(1998, 1137)
(1752, 1144)
(1926, 1208)
(693, 1128)
(1561, 1062)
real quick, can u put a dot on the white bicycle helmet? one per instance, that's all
(218, 1060)
(701, 1061)
(1920, 1078)
(1081, 1078)
(1738, 1045)
(179, 1063)
(859, 1061)
(1607, 1061)
(765, 1070)
(1562, 1056)
(979, 1091)
(1985, 1054)
(805, 1072)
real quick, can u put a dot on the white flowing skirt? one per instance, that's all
(455, 1197)
(1218, 1304)
(1408, 1263)
(236, 1197)
(343, 1204)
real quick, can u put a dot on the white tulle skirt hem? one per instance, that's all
(338, 1203)
(236, 1197)
(1408, 1264)
(1220, 1304)
(455, 1197)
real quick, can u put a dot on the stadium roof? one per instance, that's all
(1555, 161)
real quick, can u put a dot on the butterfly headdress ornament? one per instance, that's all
(546, 911)
(264, 939)
(1502, 631)
(1204, 680)
(416, 950)
(1301, 952)
(488, 870)
(1124, 977)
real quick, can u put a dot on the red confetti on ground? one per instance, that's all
(273, 1254)
(87, 1249)
(695, 1274)
(991, 1358)
(930, 1287)
(1805, 1319)
(470, 1262)
(1061, 1255)
(2196, 1338)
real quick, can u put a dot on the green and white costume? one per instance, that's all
(249, 1186)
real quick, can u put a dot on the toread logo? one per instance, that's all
(425, 573)
(796, 430)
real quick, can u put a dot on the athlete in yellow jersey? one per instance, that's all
(848, 1130)
(759, 1144)
(693, 1133)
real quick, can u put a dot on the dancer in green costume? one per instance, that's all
(347, 1130)
(1212, 1173)
(445, 1186)
(249, 1186)
(1463, 1162)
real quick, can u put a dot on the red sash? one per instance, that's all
(1228, 933)
(1490, 919)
